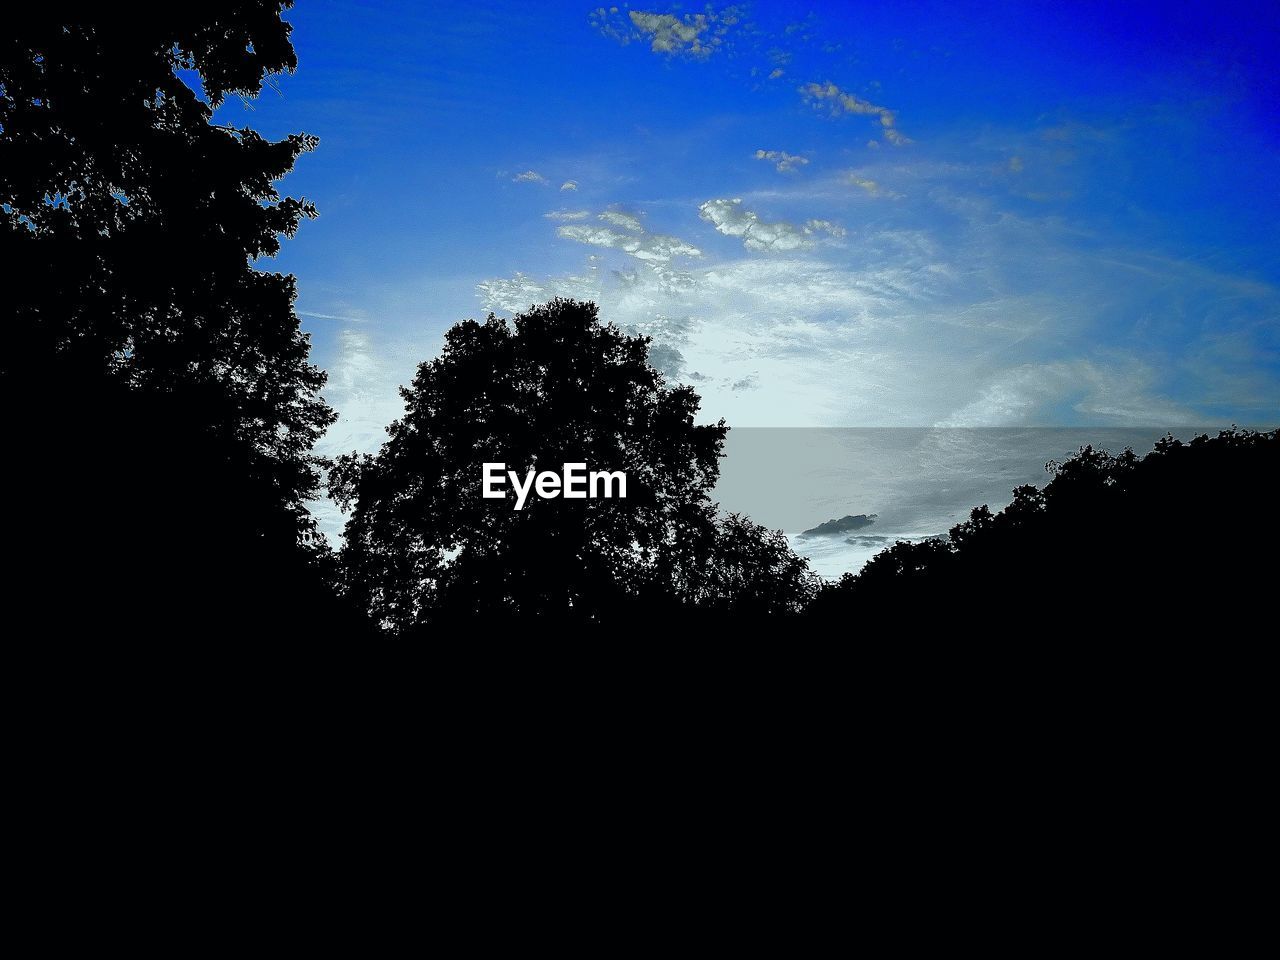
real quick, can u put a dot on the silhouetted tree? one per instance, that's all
(1159, 538)
(158, 384)
(553, 387)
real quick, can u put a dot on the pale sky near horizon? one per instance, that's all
(830, 214)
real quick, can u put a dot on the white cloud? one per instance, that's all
(520, 291)
(643, 246)
(529, 176)
(839, 102)
(872, 187)
(825, 226)
(655, 249)
(732, 219)
(624, 220)
(669, 34)
(785, 162)
(696, 35)
(567, 214)
(569, 185)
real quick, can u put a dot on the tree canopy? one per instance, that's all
(554, 386)
(157, 379)
(131, 220)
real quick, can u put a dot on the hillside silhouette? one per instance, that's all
(1185, 534)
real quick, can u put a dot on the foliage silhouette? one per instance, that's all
(159, 383)
(1140, 537)
(555, 386)
(747, 571)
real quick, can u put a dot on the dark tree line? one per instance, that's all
(1186, 534)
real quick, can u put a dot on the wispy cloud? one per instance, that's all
(529, 176)
(362, 388)
(898, 325)
(1121, 391)
(569, 185)
(329, 316)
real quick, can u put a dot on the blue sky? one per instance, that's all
(844, 214)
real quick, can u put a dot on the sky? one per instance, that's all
(832, 214)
